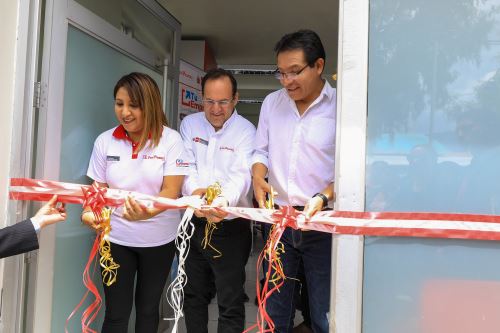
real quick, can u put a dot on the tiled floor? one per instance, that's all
(251, 309)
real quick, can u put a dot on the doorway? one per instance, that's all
(88, 45)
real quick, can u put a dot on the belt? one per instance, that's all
(299, 208)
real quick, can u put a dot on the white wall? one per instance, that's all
(193, 51)
(8, 40)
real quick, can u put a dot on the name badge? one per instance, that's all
(112, 158)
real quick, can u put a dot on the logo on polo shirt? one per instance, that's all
(226, 148)
(200, 140)
(112, 158)
(153, 157)
(180, 163)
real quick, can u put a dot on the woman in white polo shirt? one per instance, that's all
(141, 154)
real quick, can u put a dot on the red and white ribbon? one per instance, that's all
(435, 225)
(97, 198)
(387, 224)
(43, 190)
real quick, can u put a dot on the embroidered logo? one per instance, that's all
(181, 164)
(226, 148)
(200, 140)
(112, 158)
(153, 157)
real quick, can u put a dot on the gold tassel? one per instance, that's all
(269, 204)
(213, 191)
(277, 264)
(109, 266)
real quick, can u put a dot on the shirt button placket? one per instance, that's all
(293, 162)
(134, 153)
(212, 143)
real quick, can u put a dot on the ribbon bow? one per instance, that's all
(286, 217)
(94, 197)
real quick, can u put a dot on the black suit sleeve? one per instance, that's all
(18, 238)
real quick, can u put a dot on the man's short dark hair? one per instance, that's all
(305, 40)
(218, 73)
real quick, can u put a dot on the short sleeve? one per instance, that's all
(191, 182)
(177, 162)
(97, 164)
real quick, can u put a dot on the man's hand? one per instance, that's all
(199, 213)
(260, 189)
(216, 215)
(50, 213)
(315, 204)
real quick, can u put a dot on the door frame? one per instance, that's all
(59, 14)
(350, 169)
(352, 105)
(20, 156)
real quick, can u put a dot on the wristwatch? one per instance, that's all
(323, 197)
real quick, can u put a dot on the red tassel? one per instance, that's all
(275, 276)
(92, 310)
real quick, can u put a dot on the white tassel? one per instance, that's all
(175, 291)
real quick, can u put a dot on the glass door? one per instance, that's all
(92, 69)
(432, 146)
(91, 45)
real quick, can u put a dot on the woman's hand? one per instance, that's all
(88, 218)
(132, 211)
(200, 192)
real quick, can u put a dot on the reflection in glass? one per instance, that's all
(92, 70)
(135, 21)
(433, 145)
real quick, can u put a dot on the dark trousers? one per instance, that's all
(302, 296)
(313, 248)
(226, 274)
(151, 265)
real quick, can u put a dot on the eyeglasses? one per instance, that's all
(222, 103)
(290, 75)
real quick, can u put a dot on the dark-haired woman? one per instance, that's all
(141, 154)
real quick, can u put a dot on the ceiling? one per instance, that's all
(245, 32)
